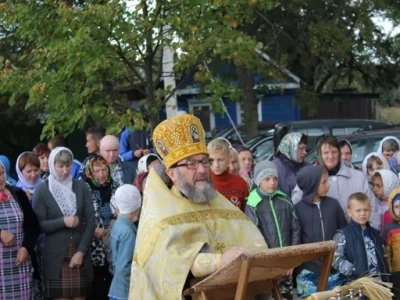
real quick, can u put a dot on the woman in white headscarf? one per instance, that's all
(373, 162)
(389, 147)
(384, 182)
(65, 211)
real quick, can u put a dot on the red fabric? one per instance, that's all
(387, 218)
(232, 187)
(4, 197)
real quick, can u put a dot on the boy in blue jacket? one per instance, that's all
(123, 238)
(273, 213)
(360, 249)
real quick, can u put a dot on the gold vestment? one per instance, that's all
(172, 232)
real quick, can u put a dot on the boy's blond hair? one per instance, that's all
(359, 197)
(219, 145)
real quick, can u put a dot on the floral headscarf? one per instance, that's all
(105, 189)
(289, 145)
(90, 175)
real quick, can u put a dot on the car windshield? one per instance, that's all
(263, 150)
(223, 132)
(255, 140)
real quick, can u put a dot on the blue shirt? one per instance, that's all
(371, 254)
(122, 242)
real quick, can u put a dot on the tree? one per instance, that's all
(85, 51)
(330, 43)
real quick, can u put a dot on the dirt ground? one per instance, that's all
(389, 114)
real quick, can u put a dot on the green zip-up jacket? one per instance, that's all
(275, 217)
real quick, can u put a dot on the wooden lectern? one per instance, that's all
(254, 274)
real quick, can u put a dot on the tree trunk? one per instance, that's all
(249, 102)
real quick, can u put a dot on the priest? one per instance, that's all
(187, 229)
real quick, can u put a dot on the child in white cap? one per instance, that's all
(122, 240)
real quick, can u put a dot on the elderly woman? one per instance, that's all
(98, 176)
(66, 215)
(42, 152)
(343, 180)
(19, 230)
(28, 170)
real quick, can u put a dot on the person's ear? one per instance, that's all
(171, 174)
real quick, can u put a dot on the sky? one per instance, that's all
(387, 26)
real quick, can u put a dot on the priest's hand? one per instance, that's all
(230, 255)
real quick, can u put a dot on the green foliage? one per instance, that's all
(81, 53)
(331, 44)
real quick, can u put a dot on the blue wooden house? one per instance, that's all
(274, 106)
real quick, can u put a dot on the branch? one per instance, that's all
(199, 60)
(322, 83)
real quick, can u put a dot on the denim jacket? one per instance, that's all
(122, 240)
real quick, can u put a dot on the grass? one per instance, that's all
(389, 114)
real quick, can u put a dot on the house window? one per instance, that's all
(240, 114)
(202, 110)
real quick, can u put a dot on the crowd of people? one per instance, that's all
(143, 216)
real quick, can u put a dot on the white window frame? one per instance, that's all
(239, 113)
(198, 102)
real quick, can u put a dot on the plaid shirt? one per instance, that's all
(117, 174)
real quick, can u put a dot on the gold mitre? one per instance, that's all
(179, 137)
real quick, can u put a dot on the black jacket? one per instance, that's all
(318, 222)
(275, 217)
(352, 251)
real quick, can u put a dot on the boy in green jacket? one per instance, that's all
(273, 213)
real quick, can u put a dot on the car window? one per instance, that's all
(344, 130)
(377, 142)
(359, 151)
(263, 149)
(314, 135)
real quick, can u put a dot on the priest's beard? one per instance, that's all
(197, 194)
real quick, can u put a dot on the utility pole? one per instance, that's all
(168, 76)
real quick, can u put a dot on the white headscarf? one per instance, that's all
(380, 149)
(390, 182)
(385, 163)
(62, 189)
